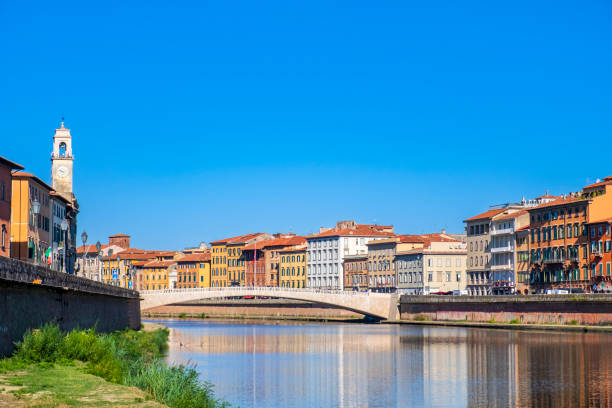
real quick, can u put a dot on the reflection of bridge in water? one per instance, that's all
(379, 305)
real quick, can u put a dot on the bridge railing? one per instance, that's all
(260, 289)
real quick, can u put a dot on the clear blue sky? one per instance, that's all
(193, 121)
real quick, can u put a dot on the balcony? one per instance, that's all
(504, 231)
(502, 249)
(502, 267)
(554, 260)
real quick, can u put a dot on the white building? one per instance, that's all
(327, 249)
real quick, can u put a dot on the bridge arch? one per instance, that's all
(378, 305)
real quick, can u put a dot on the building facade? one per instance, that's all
(193, 271)
(381, 267)
(600, 255)
(293, 267)
(327, 250)
(30, 231)
(356, 273)
(562, 254)
(6, 184)
(438, 265)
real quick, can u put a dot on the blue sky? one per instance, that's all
(193, 121)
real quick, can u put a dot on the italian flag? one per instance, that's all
(48, 255)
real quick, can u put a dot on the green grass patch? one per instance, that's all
(491, 320)
(514, 321)
(573, 323)
(127, 357)
(420, 318)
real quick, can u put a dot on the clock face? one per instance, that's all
(61, 172)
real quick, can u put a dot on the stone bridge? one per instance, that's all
(378, 305)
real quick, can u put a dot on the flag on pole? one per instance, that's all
(48, 255)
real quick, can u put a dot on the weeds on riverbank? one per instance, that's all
(127, 357)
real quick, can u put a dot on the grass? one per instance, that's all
(420, 318)
(491, 320)
(49, 385)
(128, 357)
(514, 321)
(573, 323)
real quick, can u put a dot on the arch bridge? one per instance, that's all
(378, 305)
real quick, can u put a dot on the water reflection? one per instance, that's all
(346, 365)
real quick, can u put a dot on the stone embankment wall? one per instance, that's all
(588, 309)
(256, 308)
(33, 295)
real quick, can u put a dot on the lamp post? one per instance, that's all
(64, 227)
(85, 250)
(98, 266)
(35, 212)
(118, 271)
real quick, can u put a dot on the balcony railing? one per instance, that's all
(497, 250)
(555, 259)
(504, 231)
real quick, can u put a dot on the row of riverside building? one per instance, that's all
(38, 221)
(532, 246)
(348, 256)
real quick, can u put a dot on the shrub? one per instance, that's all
(491, 320)
(44, 344)
(203, 316)
(420, 318)
(514, 321)
(573, 323)
(183, 315)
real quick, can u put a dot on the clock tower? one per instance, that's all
(61, 159)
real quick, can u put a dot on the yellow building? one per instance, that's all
(156, 274)
(193, 271)
(120, 269)
(293, 267)
(227, 259)
(30, 232)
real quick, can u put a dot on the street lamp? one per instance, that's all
(85, 250)
(98, 266)
(118, 271)
(35, 212)
(64, 227)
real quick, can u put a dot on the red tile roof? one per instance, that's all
(11, 165)
(120, 235)
(276, 242)
(195, 258)
(605, 182)
(558, 202)
(512, 215)
(485, 215)
(23, 174)
(159, 264)
(90, 249)
(525, 228)
(295, 248)
(240, 239)
(360, 230)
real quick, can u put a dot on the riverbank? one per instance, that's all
(85, 368)
(506, 326)
(37, 385)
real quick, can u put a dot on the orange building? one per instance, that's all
(560, 252)
(521, 237)
(122, 268)
(293, 267)
(6, 167)
(30, 232)
(228, 261)
(600, 257)
(356, 272)
(264, 270)
(193, 271)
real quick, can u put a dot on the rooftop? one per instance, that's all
(240, 239)
(200, 257)
(23, 174)
(11, 165)
(276, 242)
(360, 230)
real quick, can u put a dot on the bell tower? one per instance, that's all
(61, 163)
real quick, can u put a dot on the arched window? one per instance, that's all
(62, 149)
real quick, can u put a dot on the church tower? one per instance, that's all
(61, 159)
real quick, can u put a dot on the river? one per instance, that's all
(271, 364)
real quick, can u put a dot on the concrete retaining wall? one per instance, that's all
(588, 309)
(31, 296)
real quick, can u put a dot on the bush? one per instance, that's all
(45, 344)
(203, 316)
(573, 323)
(514, 321)
(183, 315)
(491, 320)
(420, 318)
(126, 357)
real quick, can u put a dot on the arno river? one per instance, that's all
(360, 365)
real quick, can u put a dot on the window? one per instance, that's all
(608, 269)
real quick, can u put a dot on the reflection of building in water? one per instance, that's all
(539, 369)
